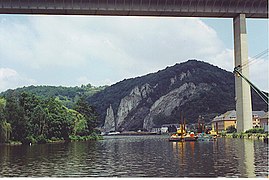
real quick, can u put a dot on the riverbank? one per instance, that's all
(260, 136)
(131, 133)
(85, 138)
(58, 140)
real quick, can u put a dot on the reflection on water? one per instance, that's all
(137, 156)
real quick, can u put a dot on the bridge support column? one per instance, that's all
(242, 88)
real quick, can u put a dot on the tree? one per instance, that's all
(5, 128)
(2, 107)
(39, 121)
(35, 119)
(14, 114)
(28, 102)
(88, 112)
(231, 129)
(55, 118)
(60, 120)
(79, 122)
(67, 126)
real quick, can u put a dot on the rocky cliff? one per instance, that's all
(193, 87)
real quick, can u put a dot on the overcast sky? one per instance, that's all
(75, 50)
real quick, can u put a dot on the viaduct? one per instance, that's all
(238, 10)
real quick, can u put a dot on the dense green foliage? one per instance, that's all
(231, 129)
(49, 103)
(5, 127)
(30, 118)
(90, 116)
(67, 95)
(255, 130)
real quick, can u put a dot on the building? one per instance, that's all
(223, 121)
(264, 121)
(156, 130)
(166, 128)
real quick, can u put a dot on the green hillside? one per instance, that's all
(217, 96)
(67, 95)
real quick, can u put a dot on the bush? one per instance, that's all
(96, 131)
(77, 138)
(255, 130)
(231, 129)
(223, 133)
(241, 135)
(234, 135)
(28, 140)
(41, 139)
(54, 139)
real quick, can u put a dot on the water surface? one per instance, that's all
(137, 156)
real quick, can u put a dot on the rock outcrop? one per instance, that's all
(127, 104)
(167, 103)
(193, 87)
(110, 123)
(174, 99)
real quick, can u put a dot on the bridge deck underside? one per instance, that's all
(176, 8)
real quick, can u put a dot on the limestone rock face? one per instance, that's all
(175, 98)
(127, 104)
(133, 112)
(173, 80)
(184, 75)
(193, 87)
(167, 103)
(135, 120)
(109, 124)
(145, 90)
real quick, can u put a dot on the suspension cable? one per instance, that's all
(255, 58)
(262, 95)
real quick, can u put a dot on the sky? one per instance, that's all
(76, 50)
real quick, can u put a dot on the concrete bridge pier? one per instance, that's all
(242, 88)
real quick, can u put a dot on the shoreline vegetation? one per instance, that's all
(72, 138)
(255, 133)
(260, 136)
(26, 118)
(96, 137)
(29, 119)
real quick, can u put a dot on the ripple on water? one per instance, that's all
(140, 156)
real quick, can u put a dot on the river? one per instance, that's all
(137, 156)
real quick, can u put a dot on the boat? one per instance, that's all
(205, 137)
(181, 135)
(182, 138)
(113, 133)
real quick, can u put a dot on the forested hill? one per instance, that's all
(194, 87)
(40, 114)
(67, 95)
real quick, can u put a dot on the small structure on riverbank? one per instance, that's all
(223, 121)
(264, 121)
